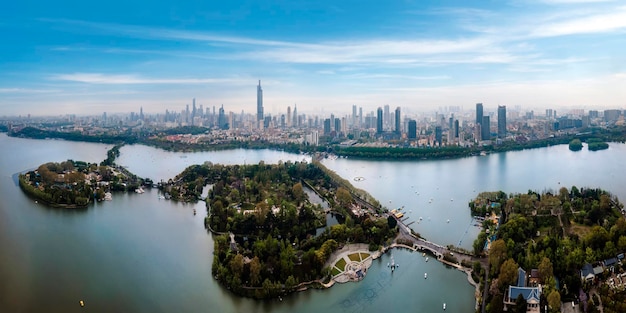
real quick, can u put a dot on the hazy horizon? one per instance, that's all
(86, 58)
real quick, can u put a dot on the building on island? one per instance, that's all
(532, 295)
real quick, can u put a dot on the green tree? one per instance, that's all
(554, 301)
(343, 197)
(545, 269)
(508, 273)
(255, 271)
(497, 254)
(298, 193)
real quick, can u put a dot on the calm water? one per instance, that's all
(141, 254)
(439, 191)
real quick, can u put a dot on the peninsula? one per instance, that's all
(552, 247)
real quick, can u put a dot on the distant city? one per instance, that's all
(448, 126)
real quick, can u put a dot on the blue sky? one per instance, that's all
(115, 56)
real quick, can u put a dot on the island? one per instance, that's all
(75, 184)
(271, 238)
(552, 247)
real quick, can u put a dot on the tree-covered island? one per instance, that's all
(266, 243)
(75, 184)
(553, 247)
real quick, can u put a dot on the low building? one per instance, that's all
(532, 295)
(586, 273)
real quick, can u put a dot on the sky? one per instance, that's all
(88, 57)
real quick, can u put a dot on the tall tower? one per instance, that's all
(387, 118)
(479, 113)
(501, 121)
(485, 130)
(294, 120)
(288, 116)
(412, 129)
(379, 121)
(398, 130)
(259, 103)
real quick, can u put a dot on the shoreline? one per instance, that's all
(354, 248)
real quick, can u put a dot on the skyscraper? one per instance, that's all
(412, 129)
(485, 132)
(501, 121)
(479, 113)
(259, 102)
(288, 116)
(379, 121)
(398, 129)
(387, 118)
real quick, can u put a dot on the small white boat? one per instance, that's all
(425, 275)
(444, 305)
(426, 259)
(448, 221)
(82, 303)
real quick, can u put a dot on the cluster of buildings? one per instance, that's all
(447, 126)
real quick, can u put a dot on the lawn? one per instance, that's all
(355, 257)
(335, 271)
(341, 264)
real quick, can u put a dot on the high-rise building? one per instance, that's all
(438, 135)
(221, 120)
(501, 121)
(386, 118)
(327, 127)
(379, 121)
(485, 131)
(259, 102)
(353, 115)
(288, 116)
(294, 120)
(479, 113)
(412, 129)
(398, 129)
(456, 129)
(360, 117)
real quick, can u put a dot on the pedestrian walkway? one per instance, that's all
(351, 263)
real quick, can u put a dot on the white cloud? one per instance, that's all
(596, 23)
(26, 90)
(99, 78)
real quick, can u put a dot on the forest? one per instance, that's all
(58, 184)
(556, 233)
(266, 209)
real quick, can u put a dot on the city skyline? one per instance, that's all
(326, 58)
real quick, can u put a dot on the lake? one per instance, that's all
(138, 253)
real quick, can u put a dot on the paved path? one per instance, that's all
(351, 269)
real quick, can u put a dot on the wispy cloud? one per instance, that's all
(596, 23)
(574, 1)
(27, 90)
(99, 78)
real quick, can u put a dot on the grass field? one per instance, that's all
(341, 264)
(355, 257)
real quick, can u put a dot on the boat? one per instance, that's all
(426, 259)
(194, 211)
(108, 196)
(425, 275)
(448, 221)
(82, 303)
(139, 190)
(444, 305)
